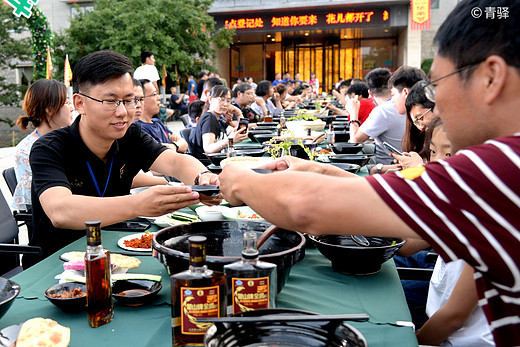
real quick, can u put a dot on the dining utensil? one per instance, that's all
(357, 317)
(265, 235)
(208, 190)
(360, 240)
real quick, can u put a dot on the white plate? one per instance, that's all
(121, 243)
(9, 335)
(232, 213)
(165, 221)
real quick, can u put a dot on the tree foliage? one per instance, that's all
(180, 33)
(41, 39)
(13, 49)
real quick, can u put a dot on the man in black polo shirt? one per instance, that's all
(85, 171)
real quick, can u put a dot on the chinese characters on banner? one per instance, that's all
(421, 15)
(323, 19)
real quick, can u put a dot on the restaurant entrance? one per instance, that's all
(331, 58)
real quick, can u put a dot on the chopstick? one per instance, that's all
(358, 317)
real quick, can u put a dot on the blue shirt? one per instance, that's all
(156, 129)
(194, 84)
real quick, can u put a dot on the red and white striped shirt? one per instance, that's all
(468, 207)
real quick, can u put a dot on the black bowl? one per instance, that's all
(298, 151)
(224, 246)
(359, 159)
(215, 169)
(326, 118)
(341, 136)
(347, 147)
(271, 128)
(209, 190)
(240, 146)
(353, 168)
(68, 305)
(282, 333)
(261, 138)
(216, 158)
(340, 123)
(250, 152)
(9, 290)
(135, 292)
(251, 133)
(267, 124)
(349, 258)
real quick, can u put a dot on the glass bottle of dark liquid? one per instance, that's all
(100, 309)
(231, 149)
(196, 292)
(251, 282)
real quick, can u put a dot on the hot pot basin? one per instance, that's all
(224, 246)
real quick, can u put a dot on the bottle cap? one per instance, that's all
(197, 250)
(93, 232)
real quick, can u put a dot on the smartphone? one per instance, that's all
(243, 123)
(391, 148)
(129, 226)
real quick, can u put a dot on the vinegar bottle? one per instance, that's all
(100, 309)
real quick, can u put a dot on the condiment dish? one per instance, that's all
(135, 292)
(73, 304)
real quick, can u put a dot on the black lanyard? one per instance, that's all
(94, 177)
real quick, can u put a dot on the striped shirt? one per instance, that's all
(468, 207)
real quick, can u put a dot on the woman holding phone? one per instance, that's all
(209, 136)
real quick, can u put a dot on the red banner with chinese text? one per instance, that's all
(421, 14)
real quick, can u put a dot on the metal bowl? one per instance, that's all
(283, 333)
(9, 290)
(224, 246)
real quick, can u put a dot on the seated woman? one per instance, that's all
(419, 116)
(263, 104)
(47, 108)
(209, 136)
(281, 102)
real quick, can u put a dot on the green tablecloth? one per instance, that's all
(312, 286)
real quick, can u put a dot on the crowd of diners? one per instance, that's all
(454, 187)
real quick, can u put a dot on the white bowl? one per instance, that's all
(208, 213)
(242, 213)
(303, 125)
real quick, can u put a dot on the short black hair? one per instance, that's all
(137, 83)
(417, 97)
(345, 83)
(359, 88)
(195, 110)
(145, 55)
(377, 81)
(143, 82)
(220, 90)
(262, 88)
(348, 81)
(242, 87)
(99, 67)
(466, 40)
(202, 73)
(406, 77)
(211, 82)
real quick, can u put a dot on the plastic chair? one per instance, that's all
(185, 119)
(23, 216)
(185, 134)
(10, 250)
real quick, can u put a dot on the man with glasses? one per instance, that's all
(243, 96)
(155, 127)
(465, 206)
(85, 171)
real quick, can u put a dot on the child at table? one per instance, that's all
(455, 319)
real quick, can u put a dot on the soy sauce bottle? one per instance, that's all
(100, 308)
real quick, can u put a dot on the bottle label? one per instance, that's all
(197, 303)
(250, 294)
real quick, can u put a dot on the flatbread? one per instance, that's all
(247, 162)
(118, 260)
(43, 332)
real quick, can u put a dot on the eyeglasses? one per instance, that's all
(429, 88)
(418, 120)
(111, 105)
(141, 100)
(223, 100)
(147, 96)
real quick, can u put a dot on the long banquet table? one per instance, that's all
(312, 286)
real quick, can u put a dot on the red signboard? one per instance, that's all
(421, 14)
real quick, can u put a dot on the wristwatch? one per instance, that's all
(379, 167)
